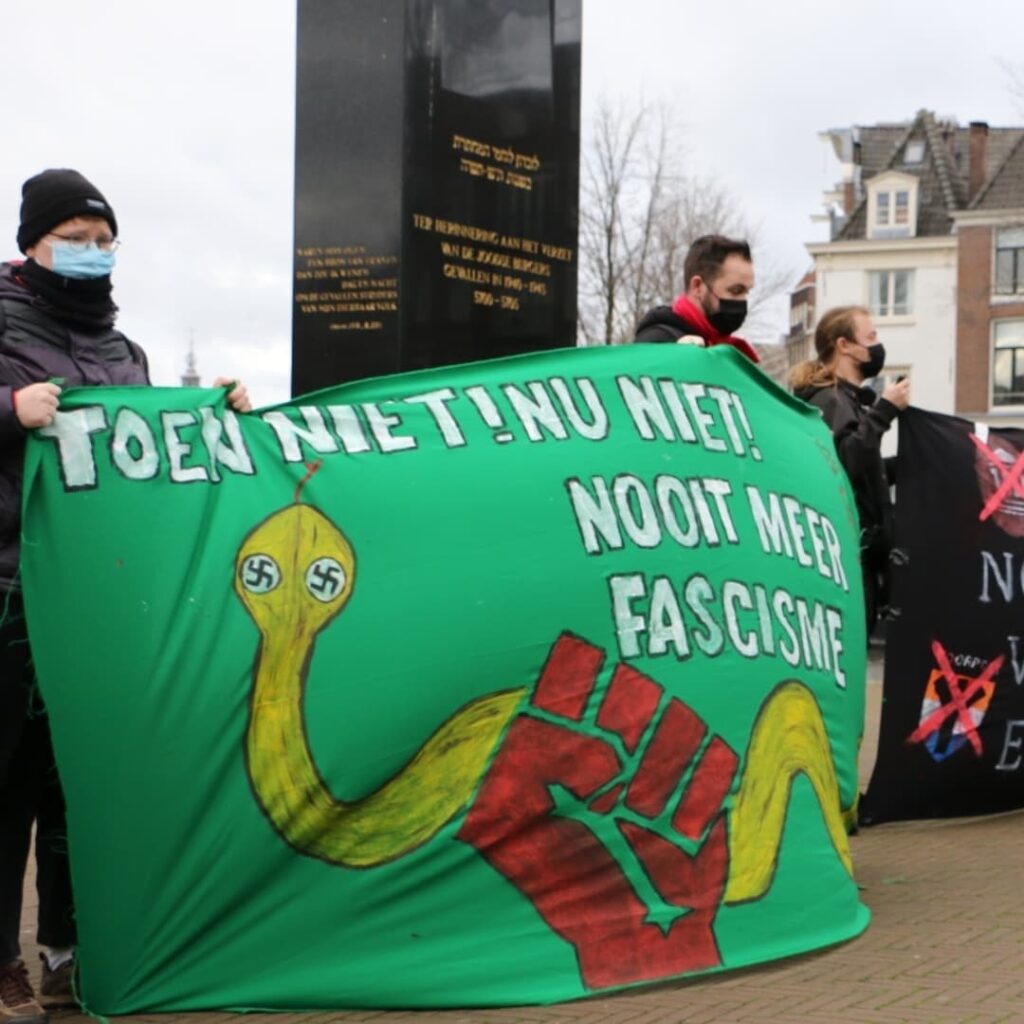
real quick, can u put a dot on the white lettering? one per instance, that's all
(73, 433)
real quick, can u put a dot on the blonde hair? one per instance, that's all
(835, 324)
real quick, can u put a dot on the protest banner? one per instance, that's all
(507, 683)
(952, 727)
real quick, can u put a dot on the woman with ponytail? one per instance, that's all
(848, 353)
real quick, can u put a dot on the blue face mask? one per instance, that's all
(72, 260)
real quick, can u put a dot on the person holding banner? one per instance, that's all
(56, 329)
(848, 354)
(719, 274)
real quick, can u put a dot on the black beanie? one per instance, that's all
(54, 196)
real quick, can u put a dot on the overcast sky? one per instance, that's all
(182, 113)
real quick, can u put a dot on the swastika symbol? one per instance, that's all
(325, 579)
(260, 574)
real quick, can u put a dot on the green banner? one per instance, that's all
(506, 683)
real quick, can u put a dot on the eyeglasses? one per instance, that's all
(79, 243)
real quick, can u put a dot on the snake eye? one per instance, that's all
(259, 574)
(325, 579)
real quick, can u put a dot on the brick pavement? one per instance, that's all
(945, 946)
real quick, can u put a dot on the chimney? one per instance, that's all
(978, 145)
(849, 198)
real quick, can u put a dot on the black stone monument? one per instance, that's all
(436, 183)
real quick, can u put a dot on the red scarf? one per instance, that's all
(686, 309)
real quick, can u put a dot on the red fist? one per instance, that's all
(560, 864)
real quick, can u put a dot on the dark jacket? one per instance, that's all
(858, 418)
(663, 323)
(35, 346)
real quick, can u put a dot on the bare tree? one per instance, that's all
(639, 211)
(1014, 74)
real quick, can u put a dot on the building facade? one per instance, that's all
(799, 341)
(990, 291)
(927, 231)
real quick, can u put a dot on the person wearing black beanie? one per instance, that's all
(69, 233)
(54, 196)
(56, 328)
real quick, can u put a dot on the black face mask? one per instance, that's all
(872, 366)
(730, 316)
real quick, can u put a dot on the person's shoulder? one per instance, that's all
(11, 289)
(114, 338)
(137, 351)
(808, 391)
(824, 396)
(138, 354)
(661, 324)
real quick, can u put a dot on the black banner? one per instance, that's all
(952, 734)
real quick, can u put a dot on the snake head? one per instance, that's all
(294, 572)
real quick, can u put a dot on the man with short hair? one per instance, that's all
(719, 275)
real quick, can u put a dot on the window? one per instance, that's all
(892, 209)
(915, 151)
(1010, 261)
(902, 208)
(800, 316)
(890, 375)
(892, 205)
(1008, 362)
(891, 292)
(882, 209)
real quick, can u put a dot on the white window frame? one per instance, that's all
(897, 206)
(883, 209)
(1018, 290)
(890, 207)
(888, 193)
(914, 153)
(993, 404)
(889, 314)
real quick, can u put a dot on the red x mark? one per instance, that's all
(1010, 482)
(959, 699)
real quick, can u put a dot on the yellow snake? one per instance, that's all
(788, 739)
(294, 573)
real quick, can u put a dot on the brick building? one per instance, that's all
(800, 339)
(990, 296)
(927, 231)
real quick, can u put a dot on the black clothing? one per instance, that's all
(29, 792)
(82, 303)
(858, 418)
(670, 323)
(50, 327)
(36, 346)
(43, 335)
(57, 195)
(661, 324)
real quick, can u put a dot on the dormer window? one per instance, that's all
(901, 211)
(892, 208)
(892, 205)
(914, 153)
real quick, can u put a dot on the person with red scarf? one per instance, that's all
(719, 276)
